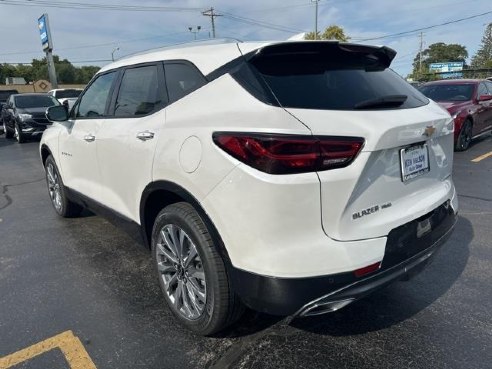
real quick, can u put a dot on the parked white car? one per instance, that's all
(66, 96)
(291, 177)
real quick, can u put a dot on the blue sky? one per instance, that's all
(92, 34)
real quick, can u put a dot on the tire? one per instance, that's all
(58, 192)
(465, 137)
(194, 282)
(8, 134)
(19, 136)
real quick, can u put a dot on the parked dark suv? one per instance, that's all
(4, 96)
(24, 115)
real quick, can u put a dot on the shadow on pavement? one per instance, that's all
(6, 142)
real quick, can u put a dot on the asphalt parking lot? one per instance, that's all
(79, 293)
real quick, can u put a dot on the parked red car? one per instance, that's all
(469, 101)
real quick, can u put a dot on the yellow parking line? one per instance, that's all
(481, 157)
(69, 344)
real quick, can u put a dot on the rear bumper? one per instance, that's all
(317, 295)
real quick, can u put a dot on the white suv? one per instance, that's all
(290, 177)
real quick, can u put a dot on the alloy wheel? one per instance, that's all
(181, 270)
(54, 187)
(466, 136)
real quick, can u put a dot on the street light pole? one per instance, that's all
(112, 52)
(316, 19)
(198, 28)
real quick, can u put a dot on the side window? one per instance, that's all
(93, 102)
(139, 92)
(482, 90)
(489, 86)
(182, 79)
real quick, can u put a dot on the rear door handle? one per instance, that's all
(89, 138)
(145, 135)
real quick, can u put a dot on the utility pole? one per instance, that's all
(211, 13)
(420, 53)
(316, 19)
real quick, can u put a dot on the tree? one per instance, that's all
(437, 53)
(483, 57)
(84, 74)
(38, 69)
(332, 32)
(6, 70)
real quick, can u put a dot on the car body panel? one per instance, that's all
(125, 162)
(78, 160)
(375, 177)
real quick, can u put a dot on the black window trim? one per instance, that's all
(161, 91)
(72, 114)
(182, 62)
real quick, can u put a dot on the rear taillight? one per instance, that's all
(285, 154)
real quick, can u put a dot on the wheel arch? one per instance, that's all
(160, 194)
(45, 152)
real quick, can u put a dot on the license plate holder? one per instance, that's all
(414, 161)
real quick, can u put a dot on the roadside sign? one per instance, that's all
(44, 32)
(447, 69)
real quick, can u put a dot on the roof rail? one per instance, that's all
(180, 45)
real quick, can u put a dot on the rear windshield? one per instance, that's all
(41, 101)
(451, 92)
(65, 94)
(312, 82)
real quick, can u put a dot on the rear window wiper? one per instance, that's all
(388, 101)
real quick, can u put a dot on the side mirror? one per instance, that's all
(485, 98)
(57, 113)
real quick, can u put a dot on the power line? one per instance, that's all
(63, 63)
(80, 5)
(96, 45)
(426, 28)
(263, 24)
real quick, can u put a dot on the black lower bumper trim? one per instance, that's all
(295, 296)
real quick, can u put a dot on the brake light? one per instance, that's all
(286, 154)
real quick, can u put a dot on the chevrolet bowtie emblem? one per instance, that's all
(429, 131)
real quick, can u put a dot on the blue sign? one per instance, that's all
(447, 70)
(44, 32)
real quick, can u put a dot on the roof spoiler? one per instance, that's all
(374, 57)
